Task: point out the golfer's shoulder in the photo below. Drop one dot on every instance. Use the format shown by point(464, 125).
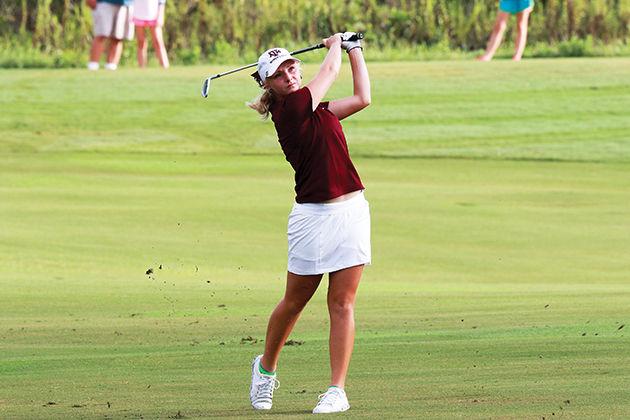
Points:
point(294, 107)
point(300, 97)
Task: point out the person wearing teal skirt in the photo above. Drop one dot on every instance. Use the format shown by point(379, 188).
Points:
point(520, 8)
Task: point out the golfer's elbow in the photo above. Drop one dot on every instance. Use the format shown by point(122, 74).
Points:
point(362, 92)
point(363, 100)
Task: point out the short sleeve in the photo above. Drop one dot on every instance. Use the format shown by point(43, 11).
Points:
point(298, 105)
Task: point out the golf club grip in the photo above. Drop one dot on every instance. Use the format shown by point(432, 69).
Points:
point(357, 36)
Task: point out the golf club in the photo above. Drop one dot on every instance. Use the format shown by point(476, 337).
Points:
point(205, 88)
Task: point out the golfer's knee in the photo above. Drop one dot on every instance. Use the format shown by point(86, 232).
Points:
point(341, 307)
point(293, 306)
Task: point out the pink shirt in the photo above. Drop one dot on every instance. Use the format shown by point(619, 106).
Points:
point(315, 146)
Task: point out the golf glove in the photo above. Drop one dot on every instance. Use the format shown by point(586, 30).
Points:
point(349, 45)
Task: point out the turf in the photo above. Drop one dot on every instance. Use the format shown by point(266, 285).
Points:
point(501, 233)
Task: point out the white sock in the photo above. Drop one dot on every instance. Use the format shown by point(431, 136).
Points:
point(93, 65)
point(111, 66)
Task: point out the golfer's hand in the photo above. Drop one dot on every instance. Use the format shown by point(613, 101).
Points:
point(91, 4)
point(349, 45)
point(332, 41)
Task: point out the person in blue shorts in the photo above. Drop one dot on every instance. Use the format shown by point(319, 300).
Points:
point(520, 8)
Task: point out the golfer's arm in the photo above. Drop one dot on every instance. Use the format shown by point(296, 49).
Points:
point(327, 74)
point(345, 107)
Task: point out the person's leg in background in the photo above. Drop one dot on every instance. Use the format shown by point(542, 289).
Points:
point(98, 44)
point(522, 22)
point(115, 51)
point(142, 45)
point(496, 36)
point(158, 46)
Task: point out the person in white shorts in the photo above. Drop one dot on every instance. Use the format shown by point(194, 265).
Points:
point(113, 21)
point(329, 225)
point(150, 13)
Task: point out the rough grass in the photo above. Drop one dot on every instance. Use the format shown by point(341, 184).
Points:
point(499, 288)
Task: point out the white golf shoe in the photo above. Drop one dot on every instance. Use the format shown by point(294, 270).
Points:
point(261, 390)
point(332, 401)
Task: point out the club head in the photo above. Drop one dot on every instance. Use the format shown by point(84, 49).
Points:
point(205, 88)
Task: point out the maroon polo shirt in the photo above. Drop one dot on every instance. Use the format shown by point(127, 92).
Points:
point(315, 146)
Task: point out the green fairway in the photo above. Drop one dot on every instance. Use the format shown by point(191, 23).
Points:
point(500, 284)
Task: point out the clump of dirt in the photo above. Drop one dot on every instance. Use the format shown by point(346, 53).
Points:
point(249, 339)
point(294, 343)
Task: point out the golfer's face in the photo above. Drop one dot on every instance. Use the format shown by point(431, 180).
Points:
point(286, 79)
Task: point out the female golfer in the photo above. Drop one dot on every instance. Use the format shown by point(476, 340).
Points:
point(520, 8)
point(329, 225)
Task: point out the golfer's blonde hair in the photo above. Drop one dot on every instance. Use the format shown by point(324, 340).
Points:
point(263, 103)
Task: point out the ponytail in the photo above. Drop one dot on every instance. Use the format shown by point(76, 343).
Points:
point(263, 103)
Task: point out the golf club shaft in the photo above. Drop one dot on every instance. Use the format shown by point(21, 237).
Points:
point(359, 35)
point(206, 84)
point(303, 50)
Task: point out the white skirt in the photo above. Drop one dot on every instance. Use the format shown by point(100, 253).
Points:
point(328, 237)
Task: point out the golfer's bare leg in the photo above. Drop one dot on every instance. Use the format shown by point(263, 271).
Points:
point(299, 291)
point(97, 48)
point(522, 20)
point(158, 46)
point(142, 46)
point(496, 36)
point(342, 291)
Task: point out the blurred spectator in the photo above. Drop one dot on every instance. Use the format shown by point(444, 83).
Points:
point(112, 19)
point(150, 13)
point(520, 8)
